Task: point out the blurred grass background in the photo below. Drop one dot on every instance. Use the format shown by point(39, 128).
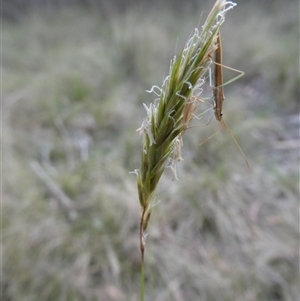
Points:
point(73, 83)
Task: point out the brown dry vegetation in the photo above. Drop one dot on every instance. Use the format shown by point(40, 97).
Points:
point(73, 87)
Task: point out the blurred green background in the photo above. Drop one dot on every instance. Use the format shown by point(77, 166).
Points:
point(74, 76)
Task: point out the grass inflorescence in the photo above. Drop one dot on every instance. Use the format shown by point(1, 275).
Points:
point(168, 117)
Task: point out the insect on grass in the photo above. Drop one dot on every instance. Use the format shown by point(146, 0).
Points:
point(218, 94)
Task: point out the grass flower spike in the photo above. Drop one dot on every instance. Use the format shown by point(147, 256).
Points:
point(168, 117)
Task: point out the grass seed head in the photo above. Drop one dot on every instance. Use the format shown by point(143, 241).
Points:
point(168, 117)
